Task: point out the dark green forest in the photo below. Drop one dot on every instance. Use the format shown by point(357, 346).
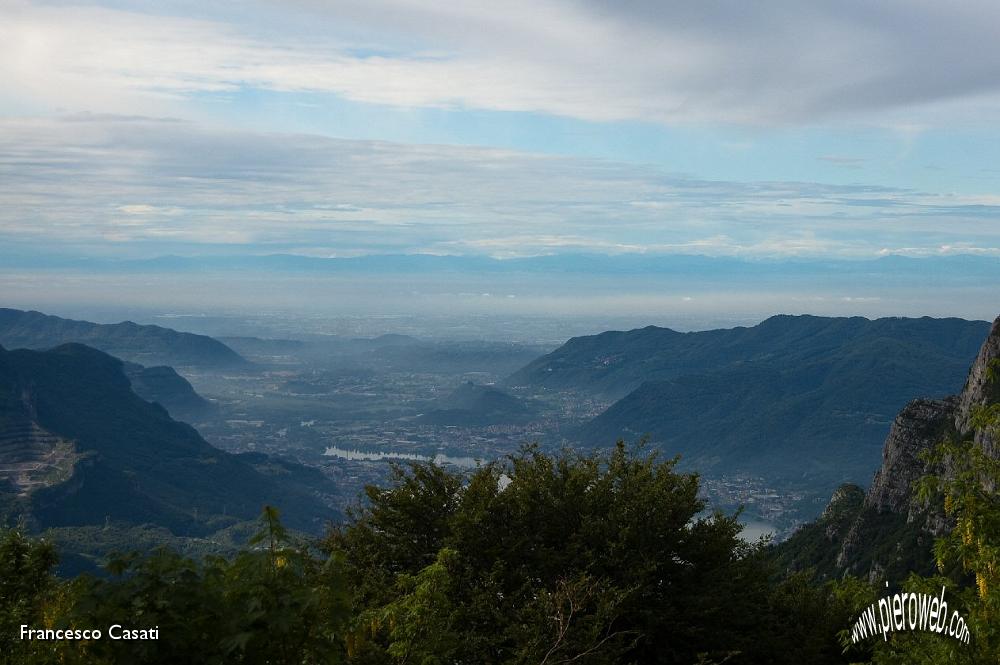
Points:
point(567, 558)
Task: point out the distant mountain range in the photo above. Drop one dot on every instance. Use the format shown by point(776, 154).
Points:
point(795, 396)
point(79, 447)
point(143, 344)
point(939, 267)
point(472, 405)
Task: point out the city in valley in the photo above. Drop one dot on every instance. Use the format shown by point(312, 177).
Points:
point(354, 406)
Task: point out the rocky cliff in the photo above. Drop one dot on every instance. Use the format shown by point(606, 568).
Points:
point(890, 531)
point(918, 427)
point(979, 390)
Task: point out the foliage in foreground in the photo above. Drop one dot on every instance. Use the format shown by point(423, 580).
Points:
point(589, 559)
point(968, 557)
point(967, 489)
point(274, 602)
point(571, 558)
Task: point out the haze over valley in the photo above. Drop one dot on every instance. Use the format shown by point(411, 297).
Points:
point(821, 391)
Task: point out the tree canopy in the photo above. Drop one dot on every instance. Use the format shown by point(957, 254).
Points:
point(598, 558)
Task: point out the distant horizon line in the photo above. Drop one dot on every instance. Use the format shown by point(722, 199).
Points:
point(43, 257)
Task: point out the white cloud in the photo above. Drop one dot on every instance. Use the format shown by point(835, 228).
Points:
point(154, 185)
point(777, 62)
point(144, 209)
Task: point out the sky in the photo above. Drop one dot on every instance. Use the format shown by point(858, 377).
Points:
point(779, 131)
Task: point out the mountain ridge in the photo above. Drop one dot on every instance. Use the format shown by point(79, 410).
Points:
point(147, 345)
point(794, 398)
point(614, 363)
point(124, 459)
point(163, 385)
point(890, 532)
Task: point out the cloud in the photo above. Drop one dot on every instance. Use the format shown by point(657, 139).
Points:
point(843, 162)
point(767, 63)
point(144, 209)
point(151, 187)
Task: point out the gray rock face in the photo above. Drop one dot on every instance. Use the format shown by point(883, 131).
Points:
point(918, 427)
point(845, 502)
point(846, 497)
point(979, 391)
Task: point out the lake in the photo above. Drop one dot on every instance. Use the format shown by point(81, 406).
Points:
point(752, 530)
point(369, 456)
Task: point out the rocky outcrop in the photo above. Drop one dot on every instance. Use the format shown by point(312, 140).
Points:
point(815, 546)
point(980, 390)
point(845, 499)
point(917, 428)
point(891, 519)
point(839, 514)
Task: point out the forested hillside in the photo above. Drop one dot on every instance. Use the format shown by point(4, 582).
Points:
point(80, 447)
point(143, 344)
point(792, 398)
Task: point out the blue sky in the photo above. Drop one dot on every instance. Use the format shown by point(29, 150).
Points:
point(778, 129)
point(956, 159)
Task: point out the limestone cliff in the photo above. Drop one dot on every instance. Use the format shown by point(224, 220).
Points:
point(891, 531)
point(979, 390)
point(918, 427)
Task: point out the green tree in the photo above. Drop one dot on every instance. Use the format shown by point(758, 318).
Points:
point(582, 558)
point(965, 487)
point(29, 594)
point(275, 602)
